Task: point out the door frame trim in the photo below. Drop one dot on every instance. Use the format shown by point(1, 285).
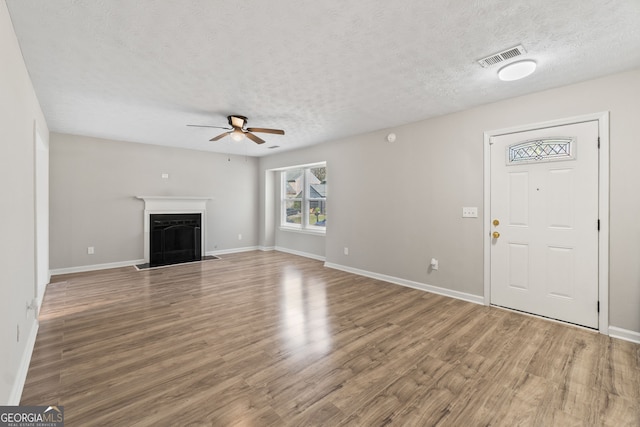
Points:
point(603, 204)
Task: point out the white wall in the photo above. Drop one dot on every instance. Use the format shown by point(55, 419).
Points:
point(19, 111)
point(397, 205)
point(94, 183)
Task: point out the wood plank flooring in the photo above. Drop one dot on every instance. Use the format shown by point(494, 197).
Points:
point(272, 339)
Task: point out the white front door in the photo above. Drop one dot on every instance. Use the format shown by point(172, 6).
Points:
point(544, 222)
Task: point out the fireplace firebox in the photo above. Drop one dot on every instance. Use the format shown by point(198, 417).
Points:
point(174, 238)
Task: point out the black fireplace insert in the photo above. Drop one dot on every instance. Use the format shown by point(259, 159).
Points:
point(174, 238)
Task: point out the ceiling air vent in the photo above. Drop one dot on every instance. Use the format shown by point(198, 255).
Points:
point(502, 56)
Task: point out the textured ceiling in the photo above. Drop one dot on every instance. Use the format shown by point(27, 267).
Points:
point(142, 70)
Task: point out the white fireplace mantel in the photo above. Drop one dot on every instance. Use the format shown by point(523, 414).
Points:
point(173, 204)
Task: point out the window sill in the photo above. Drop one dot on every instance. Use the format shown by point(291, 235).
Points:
point(303, 231)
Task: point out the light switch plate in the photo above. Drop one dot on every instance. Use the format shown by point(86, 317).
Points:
point(470, 212)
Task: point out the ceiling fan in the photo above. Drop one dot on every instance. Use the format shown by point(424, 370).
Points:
point(237, 131)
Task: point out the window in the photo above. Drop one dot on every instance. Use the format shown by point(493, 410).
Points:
point(542, 150)
point(304, 198)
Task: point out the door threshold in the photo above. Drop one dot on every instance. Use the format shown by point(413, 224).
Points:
point(551, 319)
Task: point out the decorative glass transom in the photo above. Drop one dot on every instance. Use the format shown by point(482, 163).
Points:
point(542, 150)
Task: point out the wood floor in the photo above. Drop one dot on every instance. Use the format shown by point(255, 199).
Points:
point(266, 338)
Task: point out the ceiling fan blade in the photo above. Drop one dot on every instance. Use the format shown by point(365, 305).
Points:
point(206, 126)
point(222, 135)
point(263, 130)
point(254, 138)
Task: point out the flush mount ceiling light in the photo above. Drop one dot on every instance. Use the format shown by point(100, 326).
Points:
point(516, 70)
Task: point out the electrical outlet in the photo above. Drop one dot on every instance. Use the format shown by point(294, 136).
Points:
point(346, 250)
point(239, 236)
point(469, 212)
point(90, 250)
point(165, 176)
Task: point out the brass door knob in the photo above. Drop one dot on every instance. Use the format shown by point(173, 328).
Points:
point(495, 234)
point(496, 222)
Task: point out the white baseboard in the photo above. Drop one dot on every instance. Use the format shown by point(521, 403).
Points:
point(23, 369)
point(232, 251)
point(94, 267)
point(267, 248)
point(624, 334)
point(410, 284)
point(299, 253)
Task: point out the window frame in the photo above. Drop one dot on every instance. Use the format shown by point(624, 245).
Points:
point(305, 201)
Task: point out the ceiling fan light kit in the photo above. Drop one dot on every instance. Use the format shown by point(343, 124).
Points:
point(238, 130)
point(237, 135)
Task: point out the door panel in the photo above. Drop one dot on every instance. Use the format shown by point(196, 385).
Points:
point(544, 193)
point(518, 266)
point(559, 278)
point(560, 198)
point(519, 198)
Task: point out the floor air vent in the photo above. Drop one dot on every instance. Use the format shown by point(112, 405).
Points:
point(502, 56)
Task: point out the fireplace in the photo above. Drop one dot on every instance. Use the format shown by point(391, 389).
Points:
point(174, 238)
point(181, 225)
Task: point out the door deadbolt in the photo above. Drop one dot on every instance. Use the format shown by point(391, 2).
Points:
point(496, 222)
